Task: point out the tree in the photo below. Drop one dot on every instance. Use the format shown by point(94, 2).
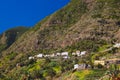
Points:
point(100, 66)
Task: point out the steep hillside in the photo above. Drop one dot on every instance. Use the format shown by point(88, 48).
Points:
point(79, 21)
point(87, 25)
point(10, 36)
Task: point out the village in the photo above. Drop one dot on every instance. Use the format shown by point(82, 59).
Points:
point(80, 54)
point(64, 55)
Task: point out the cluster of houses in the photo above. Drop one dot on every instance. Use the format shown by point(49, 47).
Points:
point(64, 55)
point(78, 53)
point(105, 63)
point(108, 62)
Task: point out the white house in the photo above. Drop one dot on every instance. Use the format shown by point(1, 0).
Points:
point(39, 56)
point(31, 57)
point(64, 53)
point(117, 45)
point(82, 66)
point(83, 53)
point(76, 66)
point(58, 54)
point(73, 53)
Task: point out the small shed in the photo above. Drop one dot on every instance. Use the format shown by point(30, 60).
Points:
point(83, 53)
point(58, 54)
point(96, 62)
point(64, 54)
point(82, 66)
point(73, 54)
point(31, 57)
point(76, 66)
point(39, 56)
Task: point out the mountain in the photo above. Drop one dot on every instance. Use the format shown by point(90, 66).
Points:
point(10, 36)
point(85, 25)
point(85, 20)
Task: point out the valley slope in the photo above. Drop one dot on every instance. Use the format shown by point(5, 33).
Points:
point(84, 25)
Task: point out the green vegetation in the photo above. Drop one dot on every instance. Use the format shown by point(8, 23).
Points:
point(84, 25)
point(2, 47)
point(111, 12)
point(10, 36)
point(89, 74)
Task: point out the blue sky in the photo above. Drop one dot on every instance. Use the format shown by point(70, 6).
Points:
point(26, 12)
